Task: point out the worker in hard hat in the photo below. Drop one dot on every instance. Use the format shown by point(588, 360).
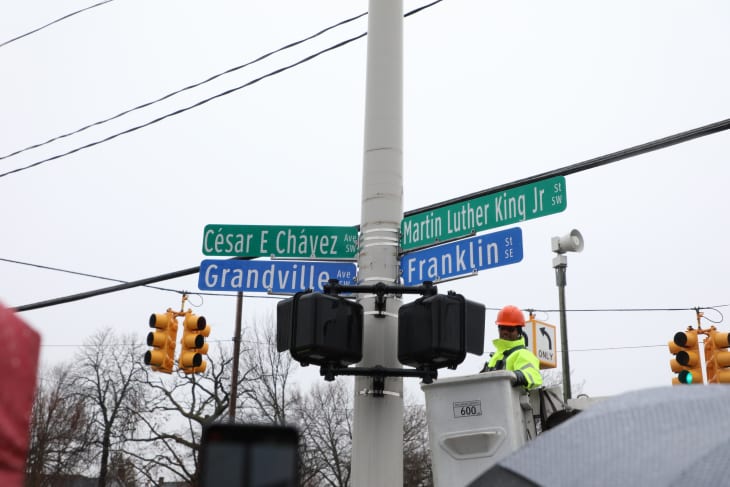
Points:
point(511, 353)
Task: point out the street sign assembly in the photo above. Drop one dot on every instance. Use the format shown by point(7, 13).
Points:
point(482, 213)
point(280, 241)
point(463, 257)
point(280, 276)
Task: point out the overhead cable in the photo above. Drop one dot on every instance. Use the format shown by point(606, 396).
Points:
point(636, 150)
point(190, 87)
point(54, 22)
point(202, 102)
point(182, 110)
point(565, 170)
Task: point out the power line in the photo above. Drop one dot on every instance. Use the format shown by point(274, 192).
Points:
point(614, 348)
point(39, 266)
point(200, 103)
point(257, 342)
point(124, 285)
point(53, 22)
point(636, 150)
point(185, 109)
point(190, 87)
point(566, 170)
point(630, 310)
point(84, 274)
point(178, 291)
point(111, 289)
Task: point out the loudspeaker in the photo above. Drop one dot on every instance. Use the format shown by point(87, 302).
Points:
point(570, 242)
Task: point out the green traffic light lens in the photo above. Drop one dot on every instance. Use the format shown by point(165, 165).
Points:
point(685, 377)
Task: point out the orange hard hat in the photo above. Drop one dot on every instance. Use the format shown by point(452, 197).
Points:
point(510, 316)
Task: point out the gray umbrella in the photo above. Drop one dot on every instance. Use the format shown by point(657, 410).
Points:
point(667, 436)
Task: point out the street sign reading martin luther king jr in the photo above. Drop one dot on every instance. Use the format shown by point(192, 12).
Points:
point(492, 210)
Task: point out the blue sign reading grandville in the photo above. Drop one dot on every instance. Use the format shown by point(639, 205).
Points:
point(280, 276)
point(462, 257)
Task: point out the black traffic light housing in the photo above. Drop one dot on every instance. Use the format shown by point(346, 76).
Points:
point(439, 330)
point(320, 329)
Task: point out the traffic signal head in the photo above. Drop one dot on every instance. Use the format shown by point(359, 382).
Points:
point(717, 357)
point(437, 331)
point(686, 362)
point(320, 329)
point(162, 341)
point(194, 346)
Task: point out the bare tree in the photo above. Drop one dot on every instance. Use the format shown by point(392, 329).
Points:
point(325, 422)
point(108, 377)
point(267, 385)
point(554, 377)
point(181, 405)
point(122, 470)
point(417, 470)
point(178, 409)
point(60, 429)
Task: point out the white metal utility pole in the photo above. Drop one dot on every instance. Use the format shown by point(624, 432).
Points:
point(377, 438)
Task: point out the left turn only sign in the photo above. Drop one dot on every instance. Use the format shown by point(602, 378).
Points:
point(542, 342)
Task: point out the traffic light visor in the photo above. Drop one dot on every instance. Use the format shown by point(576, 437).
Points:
point(154, 357)
point(194, 322)
point(190, 359)
point(193, 341)
point(685, 338)
point(688, 358)
point(722, 340)
point(156, 339)
point(160, 320)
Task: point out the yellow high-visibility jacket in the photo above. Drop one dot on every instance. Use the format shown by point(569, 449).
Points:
point(517, 358)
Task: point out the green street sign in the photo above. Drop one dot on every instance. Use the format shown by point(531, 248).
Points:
point(484, 212)
point(280, 241)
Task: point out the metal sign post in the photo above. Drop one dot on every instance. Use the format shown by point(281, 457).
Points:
point(377, 438)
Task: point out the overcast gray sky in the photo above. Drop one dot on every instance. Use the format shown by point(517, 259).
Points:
point(494, 92)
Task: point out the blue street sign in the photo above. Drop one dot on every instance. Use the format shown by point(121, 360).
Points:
point(276, 276)
point(462, 257)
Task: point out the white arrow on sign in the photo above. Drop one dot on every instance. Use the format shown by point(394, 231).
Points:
point(542, 342)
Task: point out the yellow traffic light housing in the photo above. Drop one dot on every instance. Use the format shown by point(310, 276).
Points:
point(194, 346)
point(686, 362)
point(717, 357)
point(163, 341)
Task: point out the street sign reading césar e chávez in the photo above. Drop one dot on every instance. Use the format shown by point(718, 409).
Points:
point(280, 241)
point(484, 212)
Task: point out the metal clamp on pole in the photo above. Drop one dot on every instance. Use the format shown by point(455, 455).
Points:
point(334, 288)
point(378, 373)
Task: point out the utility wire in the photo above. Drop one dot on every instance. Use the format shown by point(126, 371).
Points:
point(183, 110)
point(202, 102)
point(124, 285)
point(84, 274)
point(78, 273)
point(636, 150)
point(111, 289)
point(255, 342)
point(630, 310)
point(54, 22)
point(566, 170)
point(190, 87)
